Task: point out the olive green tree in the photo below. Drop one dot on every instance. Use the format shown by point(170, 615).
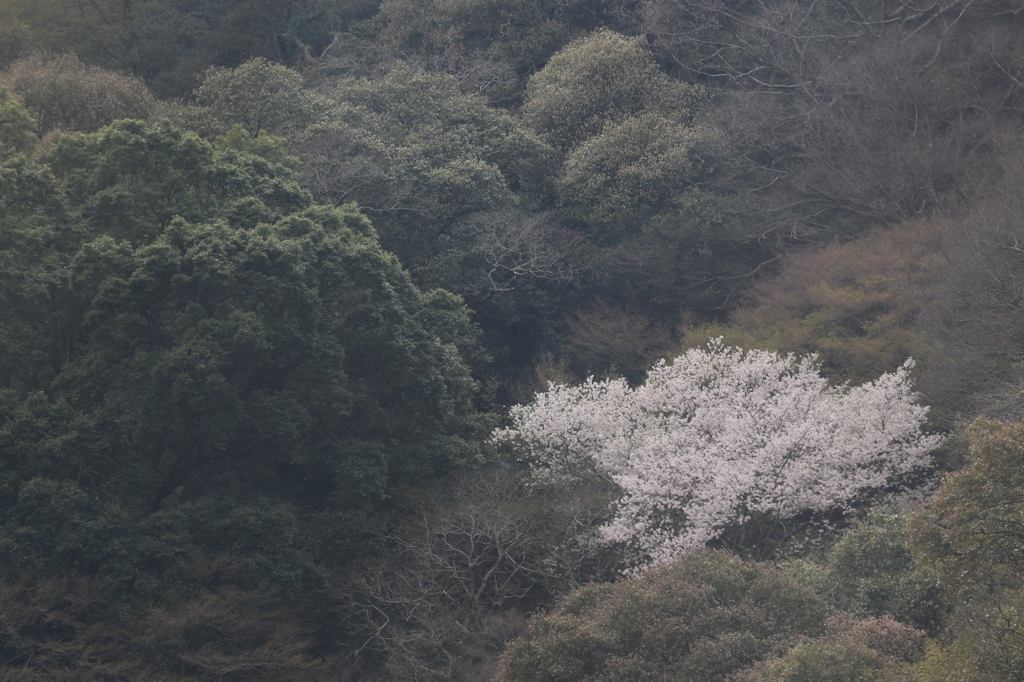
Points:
point(17, 128)
point(702, 617)
point(875, 649)
point(260, 96)
point(600, 80)
point(969, 531)
point(64, 94)
point(632, 171)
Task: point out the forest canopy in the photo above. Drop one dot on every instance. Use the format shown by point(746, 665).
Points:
point(510, 340)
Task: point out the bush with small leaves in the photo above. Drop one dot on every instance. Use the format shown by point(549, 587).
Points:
point(872, 570)
point(17, 129)
point(970, 531)
point(700, 619)
point(618, 180)
point(15, 38)
point(871, 650)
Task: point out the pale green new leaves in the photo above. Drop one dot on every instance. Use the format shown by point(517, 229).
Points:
point(625, 128)
point(631, 171)
point(598, 81)
point(261, 97)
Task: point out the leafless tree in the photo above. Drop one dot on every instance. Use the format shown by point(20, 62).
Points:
point(516, 245)
point(463, 564)
point(608, 336)
point(843, 115)
point(341, 164)
point(975, 319)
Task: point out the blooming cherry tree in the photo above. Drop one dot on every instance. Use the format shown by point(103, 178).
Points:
point(738, 448)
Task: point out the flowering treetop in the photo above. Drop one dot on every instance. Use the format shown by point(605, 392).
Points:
point(726, 446)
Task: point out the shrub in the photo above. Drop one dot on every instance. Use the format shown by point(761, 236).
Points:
point(699, 618)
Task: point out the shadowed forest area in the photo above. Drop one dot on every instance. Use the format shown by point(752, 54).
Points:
point(514, 340)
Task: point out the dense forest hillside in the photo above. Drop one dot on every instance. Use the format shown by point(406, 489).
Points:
point(551, 340)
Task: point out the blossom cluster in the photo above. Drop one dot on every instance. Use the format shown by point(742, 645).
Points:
point(721, 436)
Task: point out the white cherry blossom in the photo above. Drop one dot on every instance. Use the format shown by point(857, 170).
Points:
point(722, 442)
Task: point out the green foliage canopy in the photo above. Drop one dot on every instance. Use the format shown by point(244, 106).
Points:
point(872, 570)
point(422, 156)
point(875, 650)
point(177, 321)
point(618, 180)
point(17, 127)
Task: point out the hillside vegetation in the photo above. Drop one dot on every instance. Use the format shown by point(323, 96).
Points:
point(514, 340)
